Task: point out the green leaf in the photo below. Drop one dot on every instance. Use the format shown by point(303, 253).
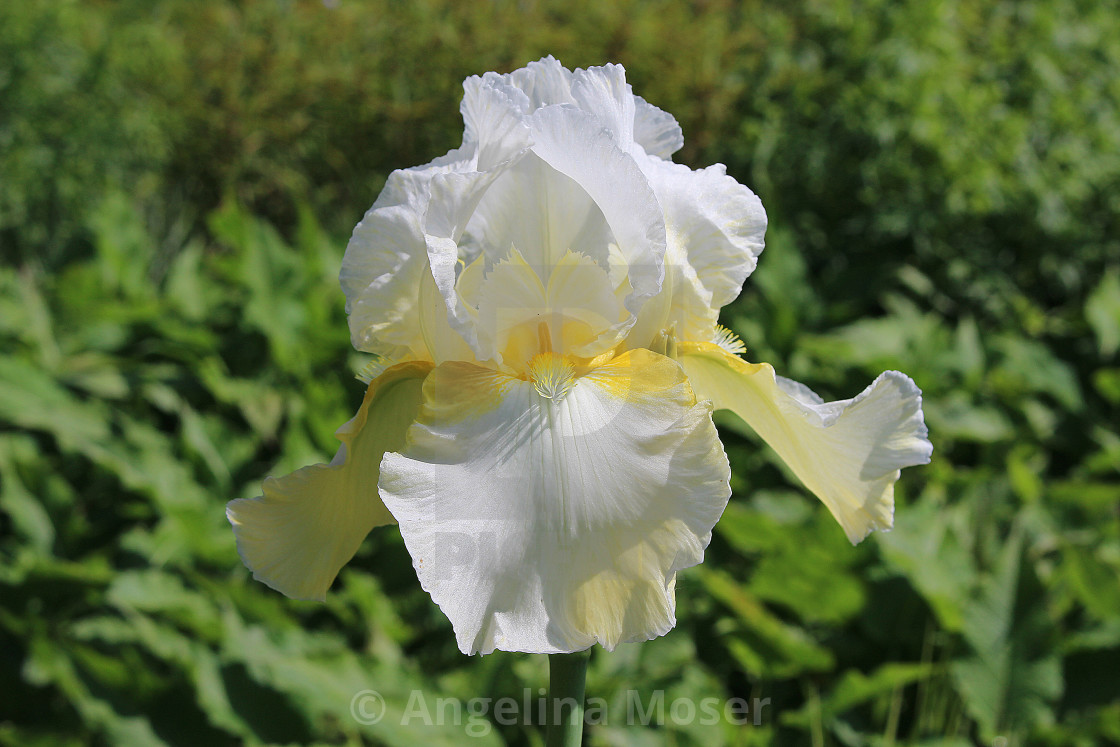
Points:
point(1093, 580)
point(854, 688)
point(156, 591)
point(124, 247)
point(1013, 675)
point(1102, 310)
point(322, 679)
point(959, 416)
point(926, 548)
point(1029, 366)
point(49, 663)
point(29, 519)
point(810, 573)
point(762, 644)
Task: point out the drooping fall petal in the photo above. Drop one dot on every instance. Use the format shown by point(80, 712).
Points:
point(848, 452)
point(308, 524)
point(549, 514)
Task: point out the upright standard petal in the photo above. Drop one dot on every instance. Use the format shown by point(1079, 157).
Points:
point(386, 260)
point(655, 130)
point(545, 82)
point(576, 144)
point(308, 524)
point(548, 514)
point(715, 229)
point(848, 453)
point(540, 212)
point(493, 120)
point(604, 92)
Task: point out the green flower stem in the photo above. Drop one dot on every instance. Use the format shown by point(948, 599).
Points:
point(567, 674)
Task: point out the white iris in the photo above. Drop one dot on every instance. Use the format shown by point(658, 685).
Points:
point(549, 293)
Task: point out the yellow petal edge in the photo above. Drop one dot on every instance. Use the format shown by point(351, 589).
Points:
point(848, 453)
point(307, 525)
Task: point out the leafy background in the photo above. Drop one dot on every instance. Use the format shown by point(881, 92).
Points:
point(177, 183)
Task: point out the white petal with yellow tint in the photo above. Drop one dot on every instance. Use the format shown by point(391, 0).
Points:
point(848, 452)
point(443, 341)
point(454, 199)
point(518, 316)
point(548, 516)
point(308, 524)
point(582, 291)
point(510, 298)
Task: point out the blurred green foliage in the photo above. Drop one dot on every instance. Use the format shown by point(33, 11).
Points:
point(177, 180)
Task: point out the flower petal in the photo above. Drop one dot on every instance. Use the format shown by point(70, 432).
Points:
point(547, 525)
point(848, 453)
point(574, 143)
point(493, 119)
point(545, 82)
point(604, 92)
point(444, 341)
point(308, 524)
point(577, 313)
point(541, 213)
point(385, 262)
point(576, 190)
point(715, 229)
point(581, 291)
point(656, 130)
point(453, 202)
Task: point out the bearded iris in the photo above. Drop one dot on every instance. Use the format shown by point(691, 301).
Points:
point(543, 302)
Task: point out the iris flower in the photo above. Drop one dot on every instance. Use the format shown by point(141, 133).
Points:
point(543, 301)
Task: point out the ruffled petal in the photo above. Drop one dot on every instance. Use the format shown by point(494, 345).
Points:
point(548, 518)
point(308, 524)
point(545, 82)
point(386, 260)
point(582, 295)
point(444, 342)
point(604, 92)
point(848, 452)
point(656, 130)
point(493, 119)
point(715, 228)
point(454, 200)
point(576, 190)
